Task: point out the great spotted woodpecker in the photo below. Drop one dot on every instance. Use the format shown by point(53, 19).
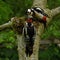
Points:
point(29, 35)
point(39, 14)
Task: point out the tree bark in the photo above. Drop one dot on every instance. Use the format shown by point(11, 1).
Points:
point(21, 47)
point(40, 3)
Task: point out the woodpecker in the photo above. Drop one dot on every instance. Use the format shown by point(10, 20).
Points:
point(29, 35)
point(39, 14)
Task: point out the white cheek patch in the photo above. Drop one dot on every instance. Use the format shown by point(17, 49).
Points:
point(29, 10)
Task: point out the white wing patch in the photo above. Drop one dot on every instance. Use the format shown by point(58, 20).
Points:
point(38, 9)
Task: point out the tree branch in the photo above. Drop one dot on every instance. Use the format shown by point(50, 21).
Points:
point(40, 3)
point(55, 41)
point(6, 25)
point(55, 11)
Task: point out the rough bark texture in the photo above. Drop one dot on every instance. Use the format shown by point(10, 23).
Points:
point(21, 47)
point(40, 30)
point(40, 3)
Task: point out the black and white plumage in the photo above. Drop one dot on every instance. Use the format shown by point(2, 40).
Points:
point(39, 10)
point(29, 35)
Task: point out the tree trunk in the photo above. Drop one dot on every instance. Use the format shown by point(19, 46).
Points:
point(21, 47)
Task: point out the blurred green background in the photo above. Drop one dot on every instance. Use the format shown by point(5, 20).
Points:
point(8, 42)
